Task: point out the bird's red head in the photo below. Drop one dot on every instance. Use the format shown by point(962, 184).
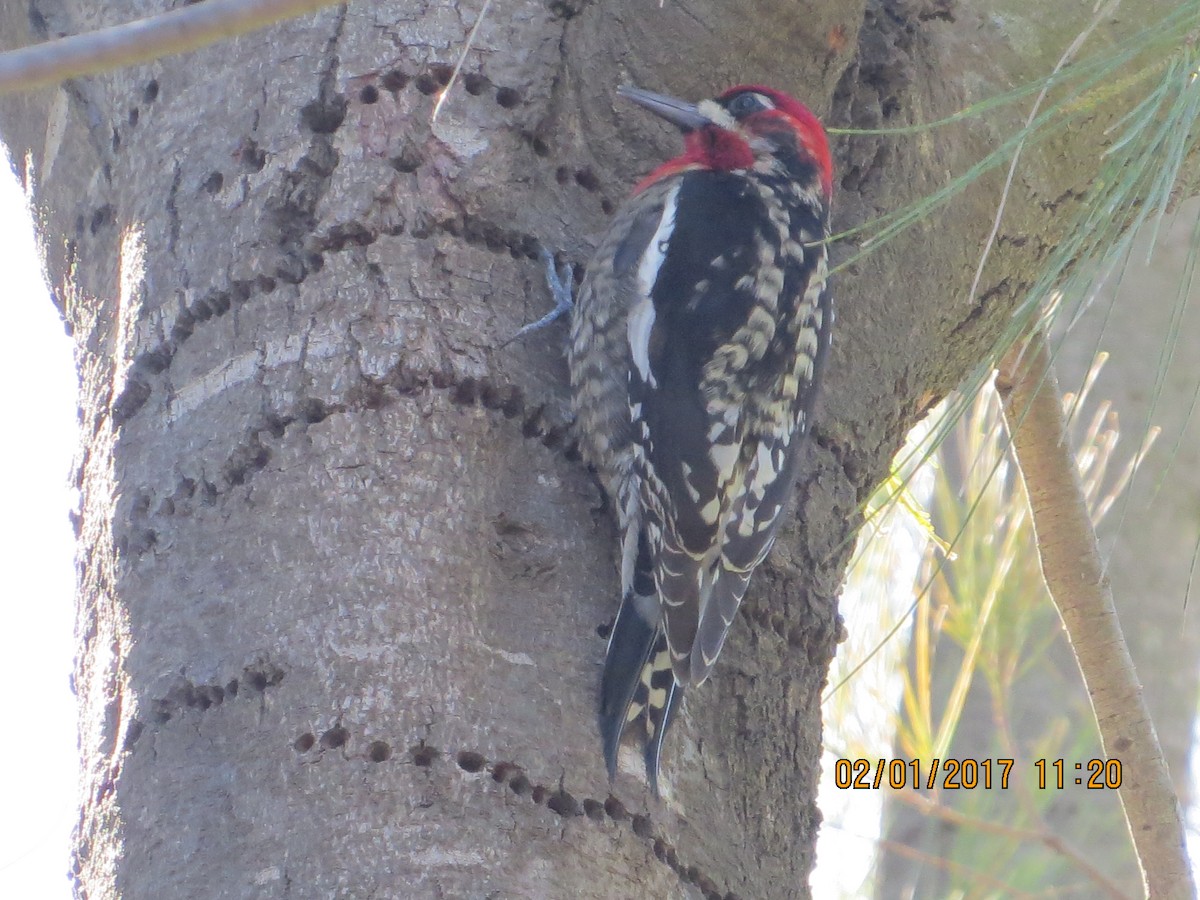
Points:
point(745, 126)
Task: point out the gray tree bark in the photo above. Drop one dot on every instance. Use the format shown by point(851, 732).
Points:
point(340, 570)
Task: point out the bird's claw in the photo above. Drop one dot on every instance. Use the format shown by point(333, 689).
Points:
point(560, 290)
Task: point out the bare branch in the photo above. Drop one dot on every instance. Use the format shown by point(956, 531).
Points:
point(1074, 574)
point(177, 31)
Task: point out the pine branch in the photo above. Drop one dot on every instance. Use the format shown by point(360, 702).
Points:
point(177, 31)
point(1075, 576)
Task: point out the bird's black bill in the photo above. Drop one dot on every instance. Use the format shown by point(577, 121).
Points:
point(677, 112)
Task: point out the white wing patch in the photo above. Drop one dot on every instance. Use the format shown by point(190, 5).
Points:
point(641, 317)
point(724, 457)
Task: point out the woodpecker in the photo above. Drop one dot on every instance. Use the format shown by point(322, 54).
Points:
point(697, 346)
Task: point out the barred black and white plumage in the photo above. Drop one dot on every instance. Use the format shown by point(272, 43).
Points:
point(697, 346)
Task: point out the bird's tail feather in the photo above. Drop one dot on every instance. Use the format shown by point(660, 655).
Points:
point(639, 684)
point(629, 652)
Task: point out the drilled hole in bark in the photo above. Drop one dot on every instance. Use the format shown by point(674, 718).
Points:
point(642, 827)
point(508, 97)
point(136, 727)
point(251, 157)
point(324, 116)
point(441, 73)
point(465, 391)
point(489, 395)
point(134, 115)
point(422, 755)
point(563, 9)
point(335, 737)
point(103, 216)
point(379, 751)
point(519, 785)
point(587, 179)
point(150, 91)
point(214, 182)
point(407, 161)
point(474, 84)
point(470, 761)
point(369, 95)
point(672, 859)
point(660, 849)
point(394, 81)
point(314, 410)
point(305, 742)
point(513, 404)
point(426, 84)
point(502, 770)
point(564, 804)
point(593, 809)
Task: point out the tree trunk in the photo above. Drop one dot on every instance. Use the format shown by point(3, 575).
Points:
point(341, 572)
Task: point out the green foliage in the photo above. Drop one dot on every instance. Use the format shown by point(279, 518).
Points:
point(984, 616)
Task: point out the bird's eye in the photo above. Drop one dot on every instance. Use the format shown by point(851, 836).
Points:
point(745, 104)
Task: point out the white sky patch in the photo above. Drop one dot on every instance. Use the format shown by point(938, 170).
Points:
point(1192, 813)
point(859, 718)
point(37, 558)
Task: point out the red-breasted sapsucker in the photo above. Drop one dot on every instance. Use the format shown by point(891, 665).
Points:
point(697, 345)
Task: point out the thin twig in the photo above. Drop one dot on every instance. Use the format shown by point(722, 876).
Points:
point(462, 58)
point(929, 806)
point(143, 40)
point(969, 874)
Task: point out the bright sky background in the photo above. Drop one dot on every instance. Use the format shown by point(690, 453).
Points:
point(38, 756)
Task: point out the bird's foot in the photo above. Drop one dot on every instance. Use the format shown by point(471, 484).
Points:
point(560, 290)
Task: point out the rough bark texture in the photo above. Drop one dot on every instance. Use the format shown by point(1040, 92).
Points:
point(341, 573)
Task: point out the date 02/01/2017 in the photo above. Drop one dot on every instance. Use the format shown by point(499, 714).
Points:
point(969, 774)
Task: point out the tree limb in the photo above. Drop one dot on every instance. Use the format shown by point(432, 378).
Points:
point(177, 31)
point(1075, 576)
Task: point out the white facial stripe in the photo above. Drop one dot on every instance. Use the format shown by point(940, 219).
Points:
point(716, 114)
